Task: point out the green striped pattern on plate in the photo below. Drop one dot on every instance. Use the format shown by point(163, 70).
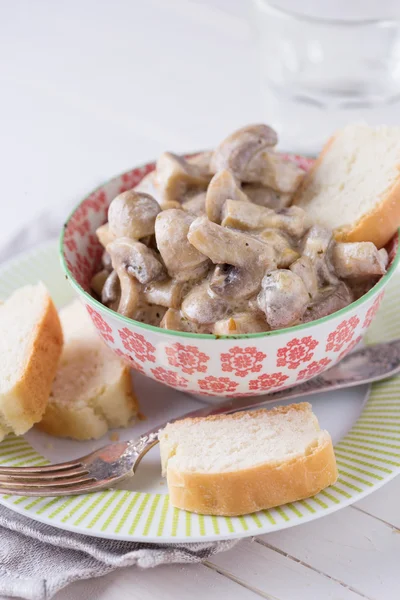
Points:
point(368, 456)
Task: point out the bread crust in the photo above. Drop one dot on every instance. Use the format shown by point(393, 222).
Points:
point(378, 225)
point(260, 487)
point(25, 403)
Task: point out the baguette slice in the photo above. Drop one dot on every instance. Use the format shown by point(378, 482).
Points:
point(248, 461)
point(30, 347)
point(354, 186)
point(92, 390)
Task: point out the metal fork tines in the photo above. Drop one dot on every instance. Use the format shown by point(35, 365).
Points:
point(98, 470)
point(61, 478)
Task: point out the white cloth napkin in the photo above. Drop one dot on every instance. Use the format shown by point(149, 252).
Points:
point(37, 560)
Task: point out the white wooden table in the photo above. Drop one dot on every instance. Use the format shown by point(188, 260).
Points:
point(90, 88)
point(349, 555)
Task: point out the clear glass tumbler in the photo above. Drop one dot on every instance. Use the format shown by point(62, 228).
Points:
point(319, 74)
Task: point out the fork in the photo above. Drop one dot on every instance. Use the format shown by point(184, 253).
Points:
point(111, 464)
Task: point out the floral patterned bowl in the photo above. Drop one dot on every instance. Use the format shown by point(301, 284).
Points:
point(208, 365)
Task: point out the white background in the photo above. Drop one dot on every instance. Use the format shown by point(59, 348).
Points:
point(89, 88)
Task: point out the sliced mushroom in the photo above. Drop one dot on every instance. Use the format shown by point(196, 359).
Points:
point(149, 186)
point(283, 298)
point(245, 216)
point(147, 240)
point(222, 186)
point(318, 245)
point(245, 322)
point(251, 217)
point(332, 299)
point(165, 293)
point(130, 287)
point(98, 280)
point(202, 161)
point(238, 283)
point(383, 253)
point(316, 242)
point(202, 307)
point(194, 274)
point(183, 261)
point(132, 214)
point(196, 205)
point(253, 307)
point(152, 314)
point(266, 196)
point(111, 291)
point(238, 149)
point(174, 320)
point(359, 287)
point(285, 255)
point(304, 268)
point(275, 171)
point(106, 261)
point(292, 221)
point(136, 259)
point(130, 294)
point(176, 176)
point(104, 235)
point(171, 204)
point(358, 260)
point(223, 245)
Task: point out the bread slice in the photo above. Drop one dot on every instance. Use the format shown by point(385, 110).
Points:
point(30, 347)
point(354, 186)
point(248, 461)
point(92, 390)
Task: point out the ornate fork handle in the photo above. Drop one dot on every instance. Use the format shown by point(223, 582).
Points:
point(142, 445)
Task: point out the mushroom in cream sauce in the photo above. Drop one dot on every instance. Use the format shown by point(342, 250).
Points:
point(212, 244)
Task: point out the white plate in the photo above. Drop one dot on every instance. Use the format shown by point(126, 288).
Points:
point(365, 429)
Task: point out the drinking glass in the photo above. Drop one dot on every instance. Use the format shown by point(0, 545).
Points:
point(319, 73)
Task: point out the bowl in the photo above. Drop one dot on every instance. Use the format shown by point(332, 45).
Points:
point(209, 365)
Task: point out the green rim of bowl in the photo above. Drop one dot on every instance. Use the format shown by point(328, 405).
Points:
point(264, 334)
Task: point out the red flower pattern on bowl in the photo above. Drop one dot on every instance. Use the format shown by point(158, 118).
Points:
point(267, 381)
point(136, 343)
point(169, 377)
point(98, 202)
point(296, 352)
point(71, 244)
point(188, 358)
point(342, 335)
point(313, 369)
point(242, 361)
point(218, 385)
point(131, 178)
point(350, 347)
point(130, 360)
point(83, 269)
point(202, 364)
point(371, 312)
point(95, 251)
point(101, 325)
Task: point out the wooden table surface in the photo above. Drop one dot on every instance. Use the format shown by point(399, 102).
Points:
point(349, 555)
point(90, 88)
